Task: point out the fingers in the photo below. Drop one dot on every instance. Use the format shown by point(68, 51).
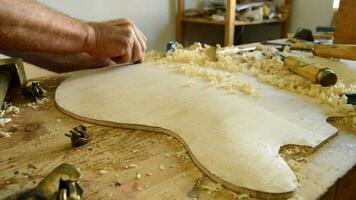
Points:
point(134, 53)
point(126, 22)
point(120, 40)
point(142, 39)
point(137, 53)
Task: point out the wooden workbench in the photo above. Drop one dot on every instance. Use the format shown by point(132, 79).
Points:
point(38, 145)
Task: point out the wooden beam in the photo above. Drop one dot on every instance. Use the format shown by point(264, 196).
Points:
point(230, 23)
point(180, 22)
point(286, 23)
point(345, 23)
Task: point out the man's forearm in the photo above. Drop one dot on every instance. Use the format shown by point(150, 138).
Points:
point(60, 62)
point(26, 25)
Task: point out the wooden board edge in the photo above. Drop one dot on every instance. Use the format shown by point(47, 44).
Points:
point(253, 193)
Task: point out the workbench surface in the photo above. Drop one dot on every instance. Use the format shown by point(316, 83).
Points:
point(38, 145)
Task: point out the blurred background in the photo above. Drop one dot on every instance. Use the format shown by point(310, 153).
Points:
point(157, 18)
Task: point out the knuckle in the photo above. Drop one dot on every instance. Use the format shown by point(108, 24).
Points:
point(130, 32)
point(127, 20)
point(127, 46)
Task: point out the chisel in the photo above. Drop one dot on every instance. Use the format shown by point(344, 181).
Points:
point(339, 51)
point(311, 71)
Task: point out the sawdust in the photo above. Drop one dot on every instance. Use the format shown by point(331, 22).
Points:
point(4, 121)
point(190, 61)
point(295, 156)
point(349, 121)
point(38, 103)
point(167, 155)
point(131, 166)
point(138, 176)
point(5, 134)
point(214, 189)
point(262, 64)
point(190, 83)
point(102, 171)
point(7, 111)
point(162, 167)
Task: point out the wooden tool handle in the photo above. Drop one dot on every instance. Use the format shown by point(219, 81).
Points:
point(312, 71)
point(336, 51)
point(302, 68)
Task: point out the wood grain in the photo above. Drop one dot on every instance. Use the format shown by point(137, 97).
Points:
point(247, 131)
point(230, 18)
point(112, 149)
point(180, 22)
point(336, 51)
point(345, 23)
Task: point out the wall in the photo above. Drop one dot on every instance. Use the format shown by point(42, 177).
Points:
point(156, 18)
point(311, 13)
point(305, 14)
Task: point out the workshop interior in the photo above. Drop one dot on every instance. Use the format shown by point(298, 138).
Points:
point(178, 99)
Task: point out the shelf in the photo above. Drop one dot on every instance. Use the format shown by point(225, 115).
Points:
point(229, 23)
point(203, 20)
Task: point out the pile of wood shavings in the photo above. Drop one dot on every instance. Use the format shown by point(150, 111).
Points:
point(38, 103)
point(217, 190)
point(4, 118)
point(195, 61)
point(296, 157)
point(346, 121)
point(9, 109)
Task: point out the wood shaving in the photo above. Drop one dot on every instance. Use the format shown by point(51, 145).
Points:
point(167, 155)
point(5, 134)
point(212, 187)
point(162, 167)
point(190, 83)
point(35, 105)
point(131, 166)
point(149, 174)
point(138, 176)
point(12, 110)
point(349, 121)
point(4, 121)
point(181, 153)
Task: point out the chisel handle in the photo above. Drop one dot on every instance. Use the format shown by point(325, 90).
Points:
point(339, 51)
point(311, 71)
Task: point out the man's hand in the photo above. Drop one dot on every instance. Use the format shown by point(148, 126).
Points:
point(29, 28)
point(119, 40)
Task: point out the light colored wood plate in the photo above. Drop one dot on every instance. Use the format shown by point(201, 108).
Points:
point(233, 138)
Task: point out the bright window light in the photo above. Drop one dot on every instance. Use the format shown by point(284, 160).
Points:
point(336, 4)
